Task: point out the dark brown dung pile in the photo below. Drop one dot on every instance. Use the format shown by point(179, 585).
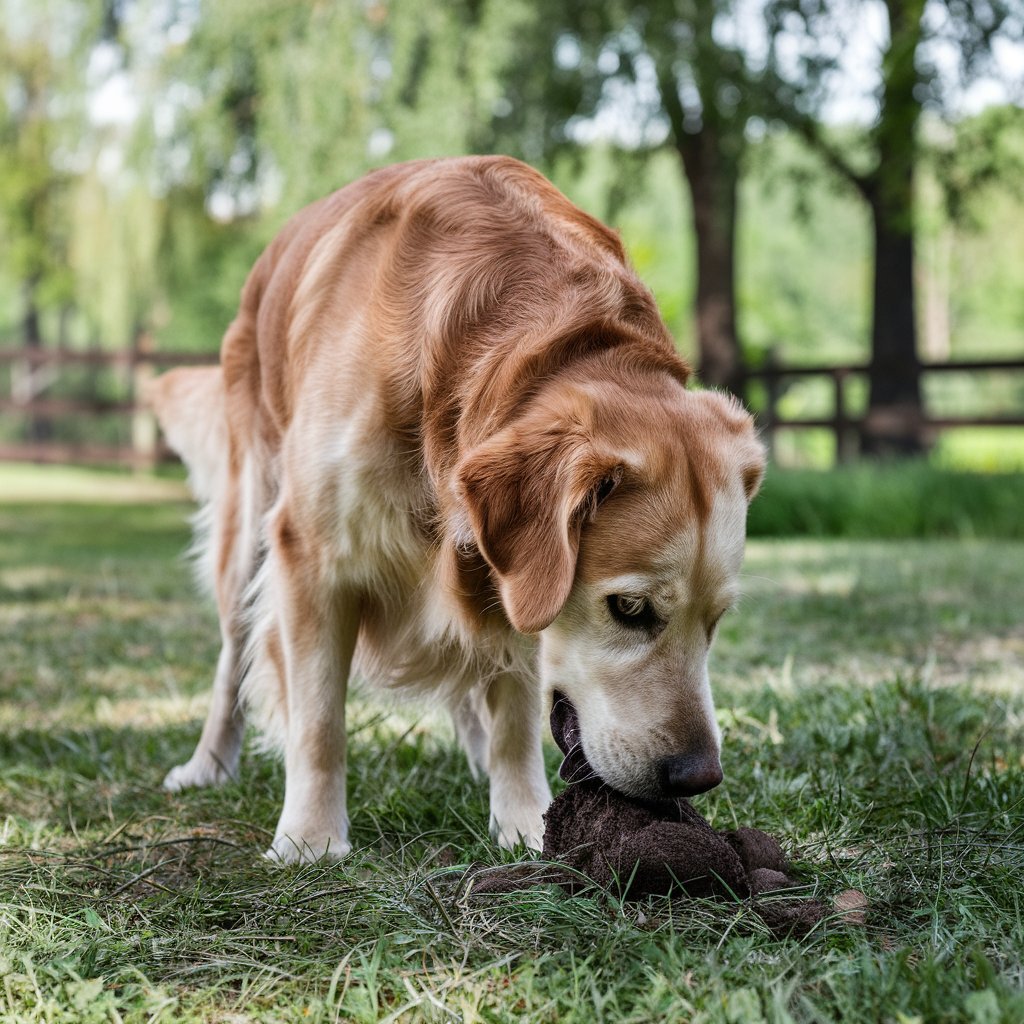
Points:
point(650, 848)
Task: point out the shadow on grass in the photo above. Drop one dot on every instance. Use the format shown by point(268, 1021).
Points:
point(77, 785)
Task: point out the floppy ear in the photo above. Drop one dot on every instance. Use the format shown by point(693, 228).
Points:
point(527, 495)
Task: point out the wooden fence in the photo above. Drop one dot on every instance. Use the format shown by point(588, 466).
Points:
point(844, 427)
point(35, 371)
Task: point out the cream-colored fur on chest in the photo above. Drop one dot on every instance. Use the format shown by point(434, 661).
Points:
point(374, 504)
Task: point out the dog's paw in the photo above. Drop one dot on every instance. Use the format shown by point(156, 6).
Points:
point(287, 849)
point(517, 810)
point(201, 770)
point(516, 826)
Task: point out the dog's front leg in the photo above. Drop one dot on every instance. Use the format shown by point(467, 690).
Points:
point(519, 787)
point(318, 633)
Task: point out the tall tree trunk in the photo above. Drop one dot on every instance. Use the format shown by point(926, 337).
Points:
point(31, 333)
point(895, 413)
point(713, 176)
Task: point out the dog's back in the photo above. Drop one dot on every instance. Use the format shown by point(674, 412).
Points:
point(437, 261)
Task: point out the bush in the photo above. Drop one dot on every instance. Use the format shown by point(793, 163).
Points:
point(889, 500)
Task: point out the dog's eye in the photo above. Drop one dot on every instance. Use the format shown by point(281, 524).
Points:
point(635, 612)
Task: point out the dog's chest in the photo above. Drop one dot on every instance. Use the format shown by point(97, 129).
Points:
point(412, 635)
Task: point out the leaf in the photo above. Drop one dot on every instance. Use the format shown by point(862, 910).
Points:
point(94, 921)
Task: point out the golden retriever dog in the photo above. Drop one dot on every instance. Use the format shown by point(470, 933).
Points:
point(450, 448)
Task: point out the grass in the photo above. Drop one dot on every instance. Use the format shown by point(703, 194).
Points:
point(913, 499)
point(872, 701)
point(21, 482)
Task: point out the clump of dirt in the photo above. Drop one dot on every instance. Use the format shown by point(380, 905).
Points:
point(638, 848)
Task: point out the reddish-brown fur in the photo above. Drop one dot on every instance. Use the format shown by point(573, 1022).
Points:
point(435, 377)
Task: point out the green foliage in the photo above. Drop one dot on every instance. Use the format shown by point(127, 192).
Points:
point(40, 119)
point(248, 110)
point(986, 150)
point(204, 263)
point(804, 259)
point(914, 500)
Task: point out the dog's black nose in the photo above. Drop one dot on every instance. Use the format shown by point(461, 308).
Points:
point(690, 774)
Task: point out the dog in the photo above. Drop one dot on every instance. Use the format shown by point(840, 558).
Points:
point(450, 447)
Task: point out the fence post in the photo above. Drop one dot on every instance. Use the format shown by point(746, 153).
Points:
point(772, 389)
point(840, 423)
point(144, 432)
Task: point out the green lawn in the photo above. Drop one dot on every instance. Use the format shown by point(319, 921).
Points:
point(872, 697)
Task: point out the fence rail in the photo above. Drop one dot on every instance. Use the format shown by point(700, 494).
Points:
point(34, 371)
point(102, 357)
point(846, 427)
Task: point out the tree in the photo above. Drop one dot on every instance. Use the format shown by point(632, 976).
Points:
point(38, 120)
point(670, 72)
point(882, 168)
point(706, 92)
point(283, 102)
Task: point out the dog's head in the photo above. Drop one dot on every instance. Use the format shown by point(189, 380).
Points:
point(614, 523)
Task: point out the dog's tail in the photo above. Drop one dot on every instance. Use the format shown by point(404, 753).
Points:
point(190, 406)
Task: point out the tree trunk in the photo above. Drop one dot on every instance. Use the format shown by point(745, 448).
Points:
point(893, 425)
point(713, 177)
point(894, 421)
point(40, 428)
point(31, 333)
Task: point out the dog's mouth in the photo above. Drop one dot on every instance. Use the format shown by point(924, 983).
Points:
point(565, 728)
point(575, 768)
point(565, 722)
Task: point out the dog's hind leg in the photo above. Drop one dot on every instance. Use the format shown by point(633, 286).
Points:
point(519, 787)
point(235, 545)
point(191, 405)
